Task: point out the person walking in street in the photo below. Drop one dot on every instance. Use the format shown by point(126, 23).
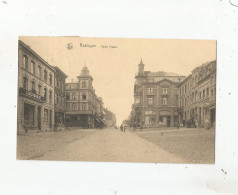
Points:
point(121, 127)
point(134, 127)
point(124, 128)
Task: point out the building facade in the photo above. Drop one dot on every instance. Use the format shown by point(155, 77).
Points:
point(59, 103)
point(197, 96)
point(155, 98)
point(83, 107)
point(35, 91)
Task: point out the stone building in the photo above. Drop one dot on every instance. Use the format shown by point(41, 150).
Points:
point(59, 102)
point(110, 118)
point(35, 91)
point(83, 107)
point(197, 96)
point(155, 98)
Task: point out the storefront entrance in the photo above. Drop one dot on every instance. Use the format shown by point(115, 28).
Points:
point(29, 116)
point(213, 116)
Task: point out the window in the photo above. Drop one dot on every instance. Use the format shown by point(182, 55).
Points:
point(150, 91)
point(207, 92)
point(83, 106)
point(39, 72)
point(33, 88)
point(137, 100)
point(45, 75)
point(203, 93)
point(50, 96)
point(73, 96)
point(165, 101)
point(46, 115)
point(67, 96)
point(84, 84)
point(33, 68)
point(45, 93)
point(67, 106)
point(211, 92)
point(25, 83)
point(151, 80)
point(25, 62)
point(61, 101)
point(39, 89)
point(73, 106)
point(84, 96)
point(50, 79)
point(57, 82)
point(150, 101)
point(165, 90)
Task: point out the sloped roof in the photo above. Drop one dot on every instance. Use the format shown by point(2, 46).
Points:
point(162, 73)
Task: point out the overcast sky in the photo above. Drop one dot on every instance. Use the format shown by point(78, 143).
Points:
point(114, 69)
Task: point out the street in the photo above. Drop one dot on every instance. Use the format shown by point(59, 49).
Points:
point(112, 145)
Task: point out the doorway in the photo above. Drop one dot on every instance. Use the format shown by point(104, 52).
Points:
point(39, 118)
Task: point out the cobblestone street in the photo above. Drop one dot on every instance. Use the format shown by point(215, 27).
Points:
point(150, 145)
point(194, 145)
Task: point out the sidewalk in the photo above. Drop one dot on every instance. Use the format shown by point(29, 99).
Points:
point(111, 145)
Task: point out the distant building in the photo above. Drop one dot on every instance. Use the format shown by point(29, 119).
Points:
point(83, 107)
point(155, 98)
point(59, 101)
point(35, 91)
point(110, 118)
point(197, 96)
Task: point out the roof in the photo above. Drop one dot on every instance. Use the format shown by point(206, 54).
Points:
point(35, 54)
point(162, 73)
point(60, 71)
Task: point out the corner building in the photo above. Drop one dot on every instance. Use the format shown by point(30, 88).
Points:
point(35, 91)
point(155, 98)
point(83, 107)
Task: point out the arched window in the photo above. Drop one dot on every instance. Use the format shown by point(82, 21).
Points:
point(73, 96)
point(84, 84)
point(25, 83)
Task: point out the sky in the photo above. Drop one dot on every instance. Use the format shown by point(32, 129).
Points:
point(113, 62)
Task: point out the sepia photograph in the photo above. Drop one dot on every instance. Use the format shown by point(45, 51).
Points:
point(116, 99)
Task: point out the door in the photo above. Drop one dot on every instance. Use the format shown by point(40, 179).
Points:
point(39, 118)
point(50, 118)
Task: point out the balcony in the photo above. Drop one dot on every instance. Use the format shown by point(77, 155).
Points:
point(31, 95)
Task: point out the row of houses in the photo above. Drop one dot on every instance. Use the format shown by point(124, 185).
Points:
point(46, 102)
point(168, 99)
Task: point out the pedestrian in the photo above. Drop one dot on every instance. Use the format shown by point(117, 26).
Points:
point(124, 128)
point(121, 127)
point(134, 127)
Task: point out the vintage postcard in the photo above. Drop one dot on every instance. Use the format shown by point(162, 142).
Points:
point(116, 100)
